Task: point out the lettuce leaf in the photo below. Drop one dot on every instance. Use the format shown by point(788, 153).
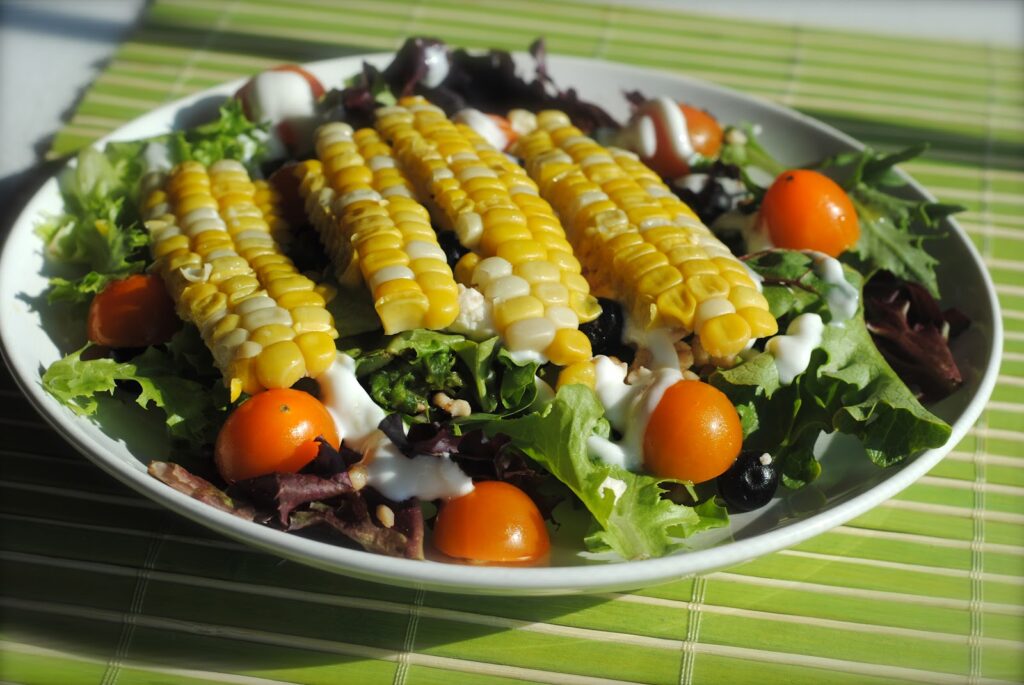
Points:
point(192, 409)
point(847, 387)
point(231, 136)
point(632, 517)
point(404, 371)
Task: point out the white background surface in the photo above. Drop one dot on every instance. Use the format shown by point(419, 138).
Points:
point(51, 50)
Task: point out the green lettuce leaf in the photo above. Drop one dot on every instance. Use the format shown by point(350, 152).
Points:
point(632, 518)
point(193, 410)
point(404, 371)
point(231, 136)
point(847, 387)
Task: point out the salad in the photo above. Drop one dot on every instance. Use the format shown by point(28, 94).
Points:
point(442, 309)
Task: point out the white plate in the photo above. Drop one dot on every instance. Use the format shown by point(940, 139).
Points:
point(850, 485)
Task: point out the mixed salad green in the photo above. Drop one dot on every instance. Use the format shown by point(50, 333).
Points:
point(518, 430)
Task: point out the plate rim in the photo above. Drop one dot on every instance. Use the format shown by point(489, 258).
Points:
point(480, 579)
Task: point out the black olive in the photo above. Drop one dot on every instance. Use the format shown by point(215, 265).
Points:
point(750, 483)
point(453, 249)
point(605, 332)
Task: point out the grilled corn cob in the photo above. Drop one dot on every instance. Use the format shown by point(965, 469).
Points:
point(639, 242)
point(265, 323)
point(363, 208)
point(521, 260)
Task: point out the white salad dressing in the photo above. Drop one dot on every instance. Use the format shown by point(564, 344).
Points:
point(476, 316)
point(285, 99)
point(641, 133)
point(435, 59)
point(156, 156)
point(842, 297)
point(485, 127)
point(394, 475)
point(792, 351)
point(628, 409)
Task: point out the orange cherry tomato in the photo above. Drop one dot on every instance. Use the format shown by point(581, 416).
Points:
point(133, 312)
point(806, 210)
point(272, 432)
point(693, 434)
point(705, 135)
point(496, 522)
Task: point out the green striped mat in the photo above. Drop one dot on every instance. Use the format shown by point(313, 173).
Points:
point(927, 588)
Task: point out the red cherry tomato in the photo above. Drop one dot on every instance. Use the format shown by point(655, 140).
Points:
point(133, 312)
point(705, 137)
point(272, 432)
point(693, 434)
point(496, 522)
point(806, 210)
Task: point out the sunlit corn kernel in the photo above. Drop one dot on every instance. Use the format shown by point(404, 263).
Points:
point(585, 305)
point(742, 297)
point(578, 373)
point(762, 323)
point(519, 251)
point(530, 334)
point(709, 309)
point(725, 335)
point(516, 309)
point(272, 333)
point(310, 319)
point(495, 235)
point(487, 270)
point(444, 308)
point(387, 240)
point(280, 365)
point(192, 202)
point(243, 378)
point(706, 286)
point(465, 267)
point(676, 307)
point(168, 245)
point(318, 351)
point(375, 261)
point(396, 286)
point(469, 228)
point(562, 316)
point(738, 279)
point(402, 310)
point(658, 280)
point(538, 272)
point(568, 346)
point(430, 265)
point(640, 264)
point(575, 282)
point(506, 288)
point(693, 267)
point(388, 273)
point(289, 283)
point(551, 294)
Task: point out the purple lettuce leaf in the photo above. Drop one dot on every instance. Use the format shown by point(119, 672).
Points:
point(179, 478)
point(282, 493)
point(913, 333)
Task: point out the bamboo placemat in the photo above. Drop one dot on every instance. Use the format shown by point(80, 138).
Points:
point(97, 585)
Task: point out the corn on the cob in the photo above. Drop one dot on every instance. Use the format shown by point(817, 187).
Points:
point(363, 207)
point(521, 260)
point(640, 243)
point(265, 323)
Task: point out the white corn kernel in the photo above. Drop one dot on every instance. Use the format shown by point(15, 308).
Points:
point(265, 317)
point(530, 334)
point(421, 249)
point(562, 316)
point(253, 304)
point(505, 288)
point(490, 269)
point(389, 273)
point(469, 227)
point(709, 309)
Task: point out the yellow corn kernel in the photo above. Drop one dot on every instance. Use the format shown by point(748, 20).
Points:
point(374, 262)
point(272, 333)
point(309, 319)
point(742, 297)
point(280, 365)
point(578, 373)
point(585, 305)
point(676, 307)
point(444, 308)
point(243, 378)
point(762, 323)
point(694, 267)
point(707, 286)
point(538, 272)
point(402, 310)
point(515, 309)
point(318, 351)
point(496, 235)
point(658, 280)
point(551, 294)
point(288, 283)
point(725, 335)
point(569, 346)
point(519, 251)
point(738, 279)
point(465, 267)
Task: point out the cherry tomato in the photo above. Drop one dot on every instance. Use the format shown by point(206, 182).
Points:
point(806, 210)
point(274, 431)
point(133, 312)
point(244, 93)
point(496, 522)
point(705, 137)
point(693, 434)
